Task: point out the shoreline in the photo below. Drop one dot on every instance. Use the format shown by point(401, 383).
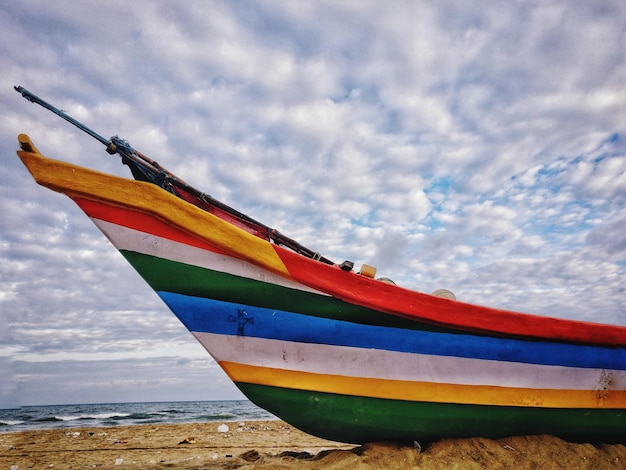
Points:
point(219, 444)
point(275, 444)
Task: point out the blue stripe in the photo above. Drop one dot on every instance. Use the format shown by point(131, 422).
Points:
point(211, 316)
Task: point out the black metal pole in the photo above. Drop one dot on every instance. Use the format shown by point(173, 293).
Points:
point(123, 148)
point(35, 99)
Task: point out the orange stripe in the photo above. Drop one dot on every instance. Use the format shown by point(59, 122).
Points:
point(425, 391)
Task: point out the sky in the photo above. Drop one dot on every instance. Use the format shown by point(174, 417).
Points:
point(474, 146)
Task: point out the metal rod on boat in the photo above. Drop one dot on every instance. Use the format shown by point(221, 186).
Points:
point(114, 144)
point(35, 99)
point(123, 148)
point(117, 145)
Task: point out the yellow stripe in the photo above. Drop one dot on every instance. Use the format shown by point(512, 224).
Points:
point(425, 391)
point(76, 181)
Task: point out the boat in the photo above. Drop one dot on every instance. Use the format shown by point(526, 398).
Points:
point(331, 349)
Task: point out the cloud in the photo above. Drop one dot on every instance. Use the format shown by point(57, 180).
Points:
point(75, 381)
point(478, 148)
point(610, 238)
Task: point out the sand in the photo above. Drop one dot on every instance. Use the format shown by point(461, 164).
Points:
point(274, 444)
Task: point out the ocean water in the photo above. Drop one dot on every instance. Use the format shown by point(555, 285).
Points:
point(126, 414)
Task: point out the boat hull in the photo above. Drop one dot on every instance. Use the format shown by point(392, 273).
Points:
point(345, 357)
point(357, 419)
point(420, 385)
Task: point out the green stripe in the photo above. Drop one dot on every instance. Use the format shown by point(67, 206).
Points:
point(181, 278)
point(361, 419)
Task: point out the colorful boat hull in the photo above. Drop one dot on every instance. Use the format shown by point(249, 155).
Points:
point(346, 357)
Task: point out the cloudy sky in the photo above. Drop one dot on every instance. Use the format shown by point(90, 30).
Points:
point(476, 148)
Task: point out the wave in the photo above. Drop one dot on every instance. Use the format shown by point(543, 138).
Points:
point(46, 419)
point(85, 417)
point(136, 416)
point(10, 423)
point(124, 414)
point(217, 416)
point(174, 412)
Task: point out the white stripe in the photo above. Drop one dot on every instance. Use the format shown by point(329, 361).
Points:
point(124, 238)
point(392, 365)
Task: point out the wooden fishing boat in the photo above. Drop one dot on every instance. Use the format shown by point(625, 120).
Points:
point(336, 352)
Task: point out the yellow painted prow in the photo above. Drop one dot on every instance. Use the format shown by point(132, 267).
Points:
point(79, 182)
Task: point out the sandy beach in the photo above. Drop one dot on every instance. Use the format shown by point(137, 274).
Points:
point(275, 444)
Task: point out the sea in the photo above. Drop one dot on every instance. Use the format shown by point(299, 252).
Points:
point(127, 414)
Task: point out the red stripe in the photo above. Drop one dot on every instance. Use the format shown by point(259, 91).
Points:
point(360, 290)
point(380, 296)
point(140, 221)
